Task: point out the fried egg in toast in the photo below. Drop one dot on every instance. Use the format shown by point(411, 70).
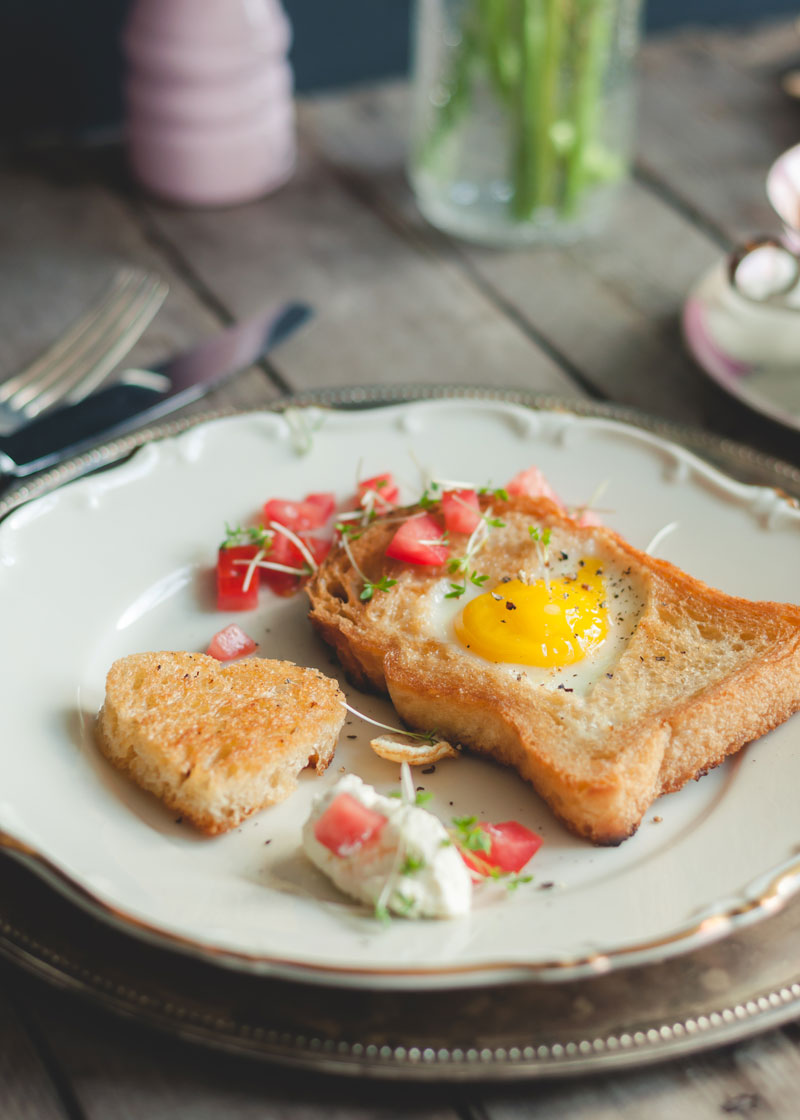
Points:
point(604, 676)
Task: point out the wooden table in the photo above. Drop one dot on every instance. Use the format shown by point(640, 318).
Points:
point(397, 303)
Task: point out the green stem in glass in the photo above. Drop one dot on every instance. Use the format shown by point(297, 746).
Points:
point(535, 158)
point(495, 20)
point(548, 112)
point(545, 62)
point(592, 37)
point(530, 33)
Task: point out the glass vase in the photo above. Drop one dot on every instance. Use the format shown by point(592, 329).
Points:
point(522, 115)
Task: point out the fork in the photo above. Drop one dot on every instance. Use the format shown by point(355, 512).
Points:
point(89, 350)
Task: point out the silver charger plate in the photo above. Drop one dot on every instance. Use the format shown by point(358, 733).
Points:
point(742, 984)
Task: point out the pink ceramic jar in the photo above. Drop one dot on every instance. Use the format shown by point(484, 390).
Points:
point(210, 119)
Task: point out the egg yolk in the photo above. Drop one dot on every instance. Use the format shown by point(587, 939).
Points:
point(544, 624)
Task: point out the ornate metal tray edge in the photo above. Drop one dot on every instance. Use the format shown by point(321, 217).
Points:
point(746, 463)
point(391, 1045)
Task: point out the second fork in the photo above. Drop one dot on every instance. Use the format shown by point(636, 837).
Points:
point(90, 349)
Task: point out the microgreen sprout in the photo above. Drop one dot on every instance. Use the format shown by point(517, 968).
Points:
point(542, 539)
point(270, 565)
point(237, 535)
point(509, 879)
point(263, 537)
point(251, 569)
point(302, 423)
point(369, 587)
point(372, 501)
point(348, 531)
point(469, 835)
point(373, 504)
point(499, 492)
point(540, 535)
point(300, 545)
point(451, 484)
point(460, 565)
point(411, 864)
point(456, 591)
point(426, 501)
point(435, 542)
point(658, 538)
point(389, 890)
point(360, 518)
point(421, 798)
point(427, 737)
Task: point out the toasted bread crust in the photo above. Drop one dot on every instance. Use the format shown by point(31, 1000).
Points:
point(217, 742)
point(703, 673)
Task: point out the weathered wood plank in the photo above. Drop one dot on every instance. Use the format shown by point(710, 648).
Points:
point(608, 307)
point(64, 234)
point(770, 1067)
point(757, 1078)
point(388, 311)
point(118, 1070)
point(26, 1090)
point(713, 118)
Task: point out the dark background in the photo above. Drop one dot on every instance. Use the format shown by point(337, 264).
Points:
point(60, 61)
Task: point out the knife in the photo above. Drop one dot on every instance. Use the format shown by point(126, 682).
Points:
point(141, 395)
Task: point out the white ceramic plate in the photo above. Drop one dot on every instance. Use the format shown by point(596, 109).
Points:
point(122, 562)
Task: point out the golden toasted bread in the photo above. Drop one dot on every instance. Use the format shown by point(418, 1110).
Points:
point(686, 676)
point(217, 742)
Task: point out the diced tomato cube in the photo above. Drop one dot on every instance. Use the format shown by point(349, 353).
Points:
point(512, 845)
point(347, 825)
point(462, 511)
point(232, 568)
point(419, 541)
point(284, 551)
point(325, 501)
point(230, 642)
point(298, 516)
point(533, 484)
point(383, 485)
point(319, 547)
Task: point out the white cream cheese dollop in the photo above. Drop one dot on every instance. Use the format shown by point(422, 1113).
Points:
point(410, 868)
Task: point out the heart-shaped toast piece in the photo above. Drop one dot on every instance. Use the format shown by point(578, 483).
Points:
point(217, 743)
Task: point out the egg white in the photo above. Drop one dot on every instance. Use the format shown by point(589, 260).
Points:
point(623, 594)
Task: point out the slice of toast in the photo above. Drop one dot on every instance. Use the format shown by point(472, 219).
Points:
point(217, 743)
point(694, 674)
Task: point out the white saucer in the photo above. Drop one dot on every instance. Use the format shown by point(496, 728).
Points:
point(750, 348)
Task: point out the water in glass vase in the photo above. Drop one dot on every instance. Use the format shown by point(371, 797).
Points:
point(522, 115)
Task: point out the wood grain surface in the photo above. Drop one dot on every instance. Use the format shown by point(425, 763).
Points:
point(399, 304)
